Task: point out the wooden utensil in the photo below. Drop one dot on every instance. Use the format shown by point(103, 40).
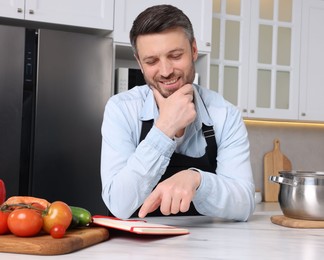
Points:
point(46, 245)
point(274, 162)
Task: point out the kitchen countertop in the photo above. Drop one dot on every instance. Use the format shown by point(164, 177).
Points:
point(209, 238)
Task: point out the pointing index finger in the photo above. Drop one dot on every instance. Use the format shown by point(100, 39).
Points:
point(151, 203)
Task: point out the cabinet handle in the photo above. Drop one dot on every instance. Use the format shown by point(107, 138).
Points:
point(19, 10)
point(244, 110)
point(31, 11)
point(252, 111)
point(303, 114)
point(208, 44)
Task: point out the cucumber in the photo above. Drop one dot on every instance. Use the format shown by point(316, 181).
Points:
point(81, 215)
point(74, 222)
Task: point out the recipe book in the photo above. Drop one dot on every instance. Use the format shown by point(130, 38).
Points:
point(137, 226)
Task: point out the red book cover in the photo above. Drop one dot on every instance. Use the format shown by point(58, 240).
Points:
point(138, 226)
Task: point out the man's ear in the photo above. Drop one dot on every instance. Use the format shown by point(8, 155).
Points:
point(139, 63)
point(194, 50)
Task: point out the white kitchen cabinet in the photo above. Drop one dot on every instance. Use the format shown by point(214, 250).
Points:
point(255, 56)
point(230, 50)
point(12, 8)
point(312, 58)
point(199, 12)
point(274, 59)
point(97, 14)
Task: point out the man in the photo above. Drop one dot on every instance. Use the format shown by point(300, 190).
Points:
point(173, 147)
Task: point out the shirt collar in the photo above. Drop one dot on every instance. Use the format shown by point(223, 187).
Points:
point(202, 113)
point(150, 110)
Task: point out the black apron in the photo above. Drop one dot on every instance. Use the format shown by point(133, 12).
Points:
point(179, 162)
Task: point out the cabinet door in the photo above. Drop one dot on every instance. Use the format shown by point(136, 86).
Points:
point(274, 59)
point(312, 57)
point(12, 8)
point(199, 12)
point(255, 56)
point(96, 14)
point(230, 51)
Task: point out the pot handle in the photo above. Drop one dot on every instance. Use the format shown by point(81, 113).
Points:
point(282, 180)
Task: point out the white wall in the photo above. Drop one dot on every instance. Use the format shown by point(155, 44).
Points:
point(302, 144)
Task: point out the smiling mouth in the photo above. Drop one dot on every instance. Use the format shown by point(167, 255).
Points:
point(170, 82)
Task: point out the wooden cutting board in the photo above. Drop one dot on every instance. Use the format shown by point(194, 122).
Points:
point(295, 223)
point(46, 245)
point(274, 162)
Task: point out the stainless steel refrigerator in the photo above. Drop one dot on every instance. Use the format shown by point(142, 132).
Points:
point(53, 89)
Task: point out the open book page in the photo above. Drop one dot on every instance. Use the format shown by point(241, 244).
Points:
point(138, 226)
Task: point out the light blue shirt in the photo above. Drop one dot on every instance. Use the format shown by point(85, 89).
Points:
point(130, 170)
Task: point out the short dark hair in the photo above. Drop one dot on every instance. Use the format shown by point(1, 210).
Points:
point(157, 19)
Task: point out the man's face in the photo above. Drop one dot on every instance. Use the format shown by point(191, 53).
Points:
point(167, 60)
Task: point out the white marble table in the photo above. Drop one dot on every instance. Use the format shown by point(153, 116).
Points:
point(208, 239)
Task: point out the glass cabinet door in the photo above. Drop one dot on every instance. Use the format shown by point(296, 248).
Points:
point(230, 32)
point(274, 66)
point(254, 58)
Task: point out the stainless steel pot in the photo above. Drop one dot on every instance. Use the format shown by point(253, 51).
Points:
point(301, 194)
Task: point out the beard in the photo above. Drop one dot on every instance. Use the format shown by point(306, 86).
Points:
point(187, 79)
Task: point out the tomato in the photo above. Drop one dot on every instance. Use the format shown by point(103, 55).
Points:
point(57, 231)
point(2, 192)
point(3, 222)
point(59, 213)
point(25, 222)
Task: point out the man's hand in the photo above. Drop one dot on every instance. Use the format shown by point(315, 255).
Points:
point(173, 195)
point(176, 111)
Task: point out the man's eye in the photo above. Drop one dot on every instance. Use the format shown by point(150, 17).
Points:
point(150, 62)
point(176, 56)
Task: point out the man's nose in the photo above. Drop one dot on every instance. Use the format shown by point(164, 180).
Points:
point(166, 68)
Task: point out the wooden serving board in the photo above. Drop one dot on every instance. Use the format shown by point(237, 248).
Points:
point(274, 162)
point(44, 244)
point(296, 223)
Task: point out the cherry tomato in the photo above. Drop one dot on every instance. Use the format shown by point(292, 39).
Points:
point(59, 213)
point(3, 222)
point(57, 231)
point(25, 222)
